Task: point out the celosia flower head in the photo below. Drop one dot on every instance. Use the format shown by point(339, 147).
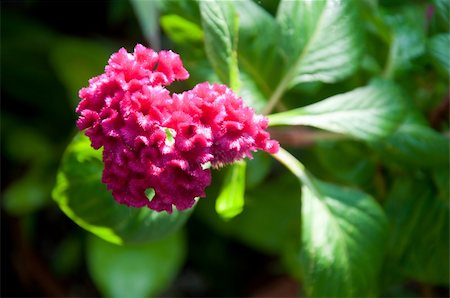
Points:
point(152, 139)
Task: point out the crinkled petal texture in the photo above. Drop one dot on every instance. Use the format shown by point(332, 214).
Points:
point(152, 139)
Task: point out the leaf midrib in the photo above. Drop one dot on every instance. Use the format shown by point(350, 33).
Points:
point(290, 74)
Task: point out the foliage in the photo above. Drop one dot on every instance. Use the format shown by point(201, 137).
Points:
point(361, 211)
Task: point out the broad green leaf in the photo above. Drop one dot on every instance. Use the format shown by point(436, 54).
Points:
point(321, 40)
point(181, 30)
point(82, 196)
point(417, 145)
point(251, 93)
point(419, 221)
point(439, 50)
point(368, 113)
point(136, 271)
point(147, 13)
point(406, 37)
point(343, 234)
point(347, 161)
point(441, 178)
point(231, 198)
point(188, 9)
point(220, 26)
point(443, 11)
point(259, 53)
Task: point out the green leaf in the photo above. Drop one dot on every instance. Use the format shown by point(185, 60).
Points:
point(259, 53)
point(220, 25)
point(419, 221)
point(181, 30)
point(147, 13)
point(417, 145)
point(82, 196)
point(343, 232)
point(321, 40)
point(443, 12)
point(231, 198)
point(368, 113)
point(406, 37)
point(348, 161)
point(135, 270)
point(251, 93)
point(439, 50)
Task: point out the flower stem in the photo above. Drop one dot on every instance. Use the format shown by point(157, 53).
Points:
point(296, 167)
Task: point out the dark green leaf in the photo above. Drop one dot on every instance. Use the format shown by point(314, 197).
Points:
point(231, 198)
point(367, 113)
point(258, 51)
point(443, 11)
point(419, 221)
point(343, 231)
point(277, 199)
point(257, 169)
point(407, 37)
point(321, 40)
point(439, 50)
point(135, 270)
point(220, 25)
point(417, 145)
point(81, 196)
point(347, 161)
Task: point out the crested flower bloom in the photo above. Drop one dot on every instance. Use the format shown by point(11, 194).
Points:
point(152, 139)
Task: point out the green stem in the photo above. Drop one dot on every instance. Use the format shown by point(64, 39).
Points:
point(388, 71)
point(276, 96)
point(296, 167)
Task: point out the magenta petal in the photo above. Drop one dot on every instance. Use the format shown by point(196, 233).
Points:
point(153, 139)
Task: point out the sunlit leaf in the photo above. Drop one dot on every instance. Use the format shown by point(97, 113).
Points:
point(137, 271)
point(343, 231)
point(321, 40)
point(181, 30)
point(220, 25)
point(82, 196)
point(230, 201)
point(367, 113)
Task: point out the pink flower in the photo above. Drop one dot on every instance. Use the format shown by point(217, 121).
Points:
point(152, 139)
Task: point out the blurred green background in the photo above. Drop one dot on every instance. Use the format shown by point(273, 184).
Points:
point(49, 50)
